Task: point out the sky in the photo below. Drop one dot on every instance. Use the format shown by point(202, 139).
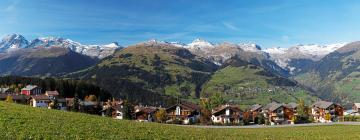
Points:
point(279, 23)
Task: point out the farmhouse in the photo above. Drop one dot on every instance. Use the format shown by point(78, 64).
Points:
point(185, 112)
point(145, 114)
point(356, 107)
point(39, 101)
point(274, 112)
point(326, 111)
point(118, 112)
point(31, 90)
point(254, 111)
point(290, 111)
point(226, 114)
point(91, 107)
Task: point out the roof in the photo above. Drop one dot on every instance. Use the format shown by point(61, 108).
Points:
point(272, 106)
point(186, 106)
point(223, 107)
point(147, 110)
point(61, 100)
point(52, 93)
point(20, 97)
point(88, 103)
point(357, 105)
point(322, 104)
point(40, 97)
point(255, 107)
point(292, 105)
point(29, 87)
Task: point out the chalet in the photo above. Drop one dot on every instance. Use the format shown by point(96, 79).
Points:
point(52, 94)
point(254, 111)
point(274, 112)
point(321, 109)
point(356, 107)
point(91, 107)
point(39, 101)
point(61, 102)
point(185, 112)
point(31, 90)
point(118, 112)
point(290, 111)
point(227, 114)
point(145, 114)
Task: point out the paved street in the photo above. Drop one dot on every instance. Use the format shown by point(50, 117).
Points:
point(274, 126)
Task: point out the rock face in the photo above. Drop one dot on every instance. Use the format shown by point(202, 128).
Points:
point(13, 42)
point(298, 58)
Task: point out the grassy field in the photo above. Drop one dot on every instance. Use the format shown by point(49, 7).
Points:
point(23, 122)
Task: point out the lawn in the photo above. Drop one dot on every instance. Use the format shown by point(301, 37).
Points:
point(23, 122)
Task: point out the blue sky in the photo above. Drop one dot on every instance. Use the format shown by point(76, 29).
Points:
point(268, 23)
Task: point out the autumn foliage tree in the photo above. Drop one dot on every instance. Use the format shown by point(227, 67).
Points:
point(9, 99)
point(205, 111)
point(161, 115)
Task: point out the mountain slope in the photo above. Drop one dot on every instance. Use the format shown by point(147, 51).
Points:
point(336, 76)
point(13, 42)
point(52, 61)
point(297, 59)
point(151, 71)
point(244, 83)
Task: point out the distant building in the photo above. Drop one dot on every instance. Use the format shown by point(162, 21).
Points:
point(31, 90)
point(320, 109)
point(5, 91)
point(227, 114)
point(356, 107)
point(274, 112)
point(185, 112)
point(254, 111)
point(40, 101)
point(52, 94)
point(145, 114)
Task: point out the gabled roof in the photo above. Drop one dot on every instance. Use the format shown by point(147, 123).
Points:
point(52, 93)
point(224, 107)
point(186, 105)
point(357, 105)
point(147, 110)
point(292, 105)
point(255, 107)
point(40, 97)
point(29, 87)
point(272, 106)
point(20, 97)
point(322, 104)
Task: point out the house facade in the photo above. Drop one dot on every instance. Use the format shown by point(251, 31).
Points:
point(52, 94)
point(185, 112)
point(254, 111)
point(227, 114)
point(118, 112)
point(145, 114)
point(274, 113)
point(31, 90)
point(40, 101)
point(324, 111)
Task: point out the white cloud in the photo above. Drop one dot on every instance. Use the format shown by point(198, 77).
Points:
point(230, 26)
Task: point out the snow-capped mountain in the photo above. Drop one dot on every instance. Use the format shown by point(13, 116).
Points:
point(294, 58)
point(13, 42)
point(199, 44)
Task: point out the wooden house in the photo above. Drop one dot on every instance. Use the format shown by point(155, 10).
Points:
point(227, 114)
point(274, 112)
point(52, 94)
point(185, 112)
point(40, 101)
point(321, 109)
point(145, 114)
point(254, 111)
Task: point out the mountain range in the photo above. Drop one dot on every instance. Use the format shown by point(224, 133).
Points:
point(155, 72)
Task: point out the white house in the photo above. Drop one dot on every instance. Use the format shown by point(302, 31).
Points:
point(226, 114)
point(39, 101)
point(118, 112)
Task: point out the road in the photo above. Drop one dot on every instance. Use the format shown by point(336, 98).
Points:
point(273, 126)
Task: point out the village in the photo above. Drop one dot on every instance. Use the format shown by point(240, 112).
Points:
point(184, 112)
